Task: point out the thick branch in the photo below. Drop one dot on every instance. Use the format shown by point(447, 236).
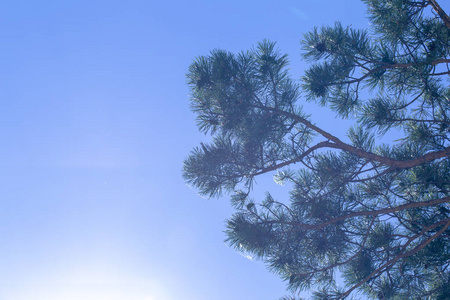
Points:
point(338, 144)
point(441, 12)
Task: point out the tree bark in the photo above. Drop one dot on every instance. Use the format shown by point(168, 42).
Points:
point(338, 144)
point(441, 13)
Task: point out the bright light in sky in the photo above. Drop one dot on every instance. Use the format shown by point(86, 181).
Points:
point(91, 283)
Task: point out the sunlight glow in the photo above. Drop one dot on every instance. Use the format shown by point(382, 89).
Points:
point(91, 283)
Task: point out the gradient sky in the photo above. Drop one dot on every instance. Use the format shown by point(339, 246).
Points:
point(94, 126)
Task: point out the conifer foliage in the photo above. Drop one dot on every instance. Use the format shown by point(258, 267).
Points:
point(376, 214)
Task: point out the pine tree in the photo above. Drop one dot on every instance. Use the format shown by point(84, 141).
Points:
point(377, 214)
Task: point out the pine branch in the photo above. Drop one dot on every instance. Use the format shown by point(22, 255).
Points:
point(388, 66)
point(445, 18)
point(378, 212)
point(292, 161)
point(343, 185)
point(338, 144)
point(391, 262)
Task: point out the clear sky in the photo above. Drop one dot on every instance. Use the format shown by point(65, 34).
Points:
point(94, 126)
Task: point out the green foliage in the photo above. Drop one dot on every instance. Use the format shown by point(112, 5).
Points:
point(376, 215)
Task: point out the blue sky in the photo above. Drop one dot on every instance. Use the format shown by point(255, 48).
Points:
point(94, 126)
